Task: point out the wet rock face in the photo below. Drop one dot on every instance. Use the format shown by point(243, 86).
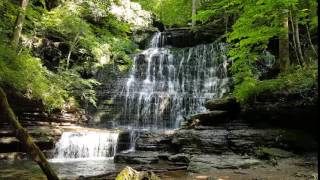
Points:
point(44, 137)
point(297, 110)
point(151, 141)
point(210, 118)
point(123, 141)
point(184, 37)
point(201, 141)
point(240, 139)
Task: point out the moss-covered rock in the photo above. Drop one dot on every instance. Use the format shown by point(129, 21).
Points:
point(225, 104)
point(272, 153)
point(129, 173)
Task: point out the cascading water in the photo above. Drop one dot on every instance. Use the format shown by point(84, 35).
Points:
point(164, 86)
point(167, 84)
point(85, 145)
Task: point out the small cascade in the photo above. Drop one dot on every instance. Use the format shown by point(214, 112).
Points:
point(86, 145)
point(167, 84)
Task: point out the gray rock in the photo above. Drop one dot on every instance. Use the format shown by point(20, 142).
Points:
point(209, 118)
point(180, 158)
point(204, 163)
point(201, 141)
point(246, 140)
point(138, 157)
point(269, 153)
point(148, 141)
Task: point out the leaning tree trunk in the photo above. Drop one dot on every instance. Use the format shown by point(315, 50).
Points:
point(31, 148)
point(294, 39)
point(284, 47)
point(310, 41)
point(297, 37)
point(19, 23)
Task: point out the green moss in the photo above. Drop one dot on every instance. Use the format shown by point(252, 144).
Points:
point(295, 80)
point(130, 174)
point(271, 153)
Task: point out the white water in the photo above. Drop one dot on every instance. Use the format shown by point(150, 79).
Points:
point(88, 145)
point(167, 84)
point(164, 86)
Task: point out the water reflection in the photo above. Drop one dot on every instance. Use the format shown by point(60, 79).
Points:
point(29, 170)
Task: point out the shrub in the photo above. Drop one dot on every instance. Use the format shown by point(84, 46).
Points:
point(296, 79)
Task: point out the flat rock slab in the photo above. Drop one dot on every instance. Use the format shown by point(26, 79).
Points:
point(204, 141)
point(180, 158)
point(268, 153)
point(204, 163)
point(138, 157)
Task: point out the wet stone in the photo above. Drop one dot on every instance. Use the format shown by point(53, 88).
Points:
point(138, 157)
point(204, 163)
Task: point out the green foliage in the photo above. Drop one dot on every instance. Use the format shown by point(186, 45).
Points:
point(170, 12)
point(26, 74)
point(95, 38)
point(295, 80)
point(256, 23)
point(83, 90)
point(8, 11)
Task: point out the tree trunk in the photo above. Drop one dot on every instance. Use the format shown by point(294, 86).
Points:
point(31, 148)
point(310, 41)
point(194, 11)
point(297, 36)
point(293, 38)
point(72, 46)
point(226, 17)
point(284, 47)
point(19, 23)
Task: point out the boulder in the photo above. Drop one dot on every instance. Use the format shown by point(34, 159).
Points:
point(204, 163)
point(129, 173)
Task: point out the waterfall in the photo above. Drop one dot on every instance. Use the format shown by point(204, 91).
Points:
point(167, 84)
point(86, 145)
point(164, 86)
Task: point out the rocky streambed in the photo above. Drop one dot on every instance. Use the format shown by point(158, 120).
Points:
point(217, 144)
